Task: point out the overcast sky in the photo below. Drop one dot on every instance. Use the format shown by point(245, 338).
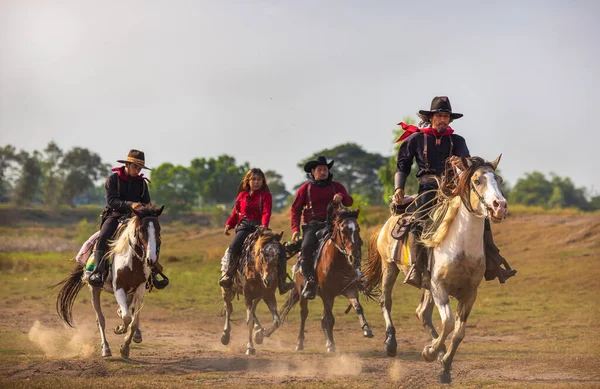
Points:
point(271, 82)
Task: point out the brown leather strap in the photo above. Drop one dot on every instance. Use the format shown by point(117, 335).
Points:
point(425, 159)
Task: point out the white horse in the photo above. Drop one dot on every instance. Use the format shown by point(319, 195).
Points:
point(136, 246)
point(469, 193)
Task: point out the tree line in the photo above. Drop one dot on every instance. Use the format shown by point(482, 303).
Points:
point(53, 177)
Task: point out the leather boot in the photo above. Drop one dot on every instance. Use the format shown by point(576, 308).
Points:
point(283, 285)
point(310, 284)
point(418, 275)
point(493, 260)
point(226, 280)
point(97, 277)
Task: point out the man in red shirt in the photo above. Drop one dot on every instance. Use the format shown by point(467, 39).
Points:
point(311, 203)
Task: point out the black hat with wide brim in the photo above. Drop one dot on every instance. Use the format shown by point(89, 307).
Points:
point(135, 157)
point(310, 165)
point(441, 104)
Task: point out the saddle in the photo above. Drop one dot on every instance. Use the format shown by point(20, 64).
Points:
point(405, 221)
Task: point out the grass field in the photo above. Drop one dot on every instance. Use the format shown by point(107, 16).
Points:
point(537, 330)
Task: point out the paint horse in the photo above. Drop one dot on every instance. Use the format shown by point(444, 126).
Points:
point(467, 195)
point(258, 281)
point(336, 272)
point(135, 247)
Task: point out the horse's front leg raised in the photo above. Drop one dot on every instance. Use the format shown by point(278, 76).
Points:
point(390, 273)
point(352, 296)
point(462, 313)
point(424, 313)
point(100, 320)
point(442, 301)
point(272, 305)
point(327, 322)
point(227, 298)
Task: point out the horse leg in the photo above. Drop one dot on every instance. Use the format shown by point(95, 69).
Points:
point(272, 305)
point(352, 296)
point(121, 298)
point(136, 304)
point(424, 313)
point(390, 273)
point(227, 298)
point(442, 302)
point(303, 316)
point(100, 320)
point(137, 336)
point(462, 313)
point(250, 321)
point(327, 323)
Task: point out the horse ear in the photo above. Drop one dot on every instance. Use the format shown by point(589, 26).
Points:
point(496, 161)
point(138, 214)
point(279, 236)
point(160, 210)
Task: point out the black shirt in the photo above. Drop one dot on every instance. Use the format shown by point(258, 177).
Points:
point(120, 193)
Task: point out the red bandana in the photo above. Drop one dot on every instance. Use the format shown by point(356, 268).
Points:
point(121, 173)
point(410, 129)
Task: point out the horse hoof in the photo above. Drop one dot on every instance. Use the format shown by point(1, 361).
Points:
point(368, 333)
point(119, 330)
point(300, 347)
point(225, 338)
point(106, 352)
point(124, 351)
point(259, 336)
point(445, 378)
point(250, 351)
point(391, 346)
point(331, 349)
point(428, 354)
point(137, 336)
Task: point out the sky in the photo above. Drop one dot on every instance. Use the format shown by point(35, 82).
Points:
point(272, 82)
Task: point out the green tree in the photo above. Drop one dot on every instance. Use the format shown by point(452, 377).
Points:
point(8, 168)
point(534, 189)
point(355, 168)
point(277, 188)
point(172, 186)
point(225, 176)
point(53, 179)
point(27, 187)
point(82, 168)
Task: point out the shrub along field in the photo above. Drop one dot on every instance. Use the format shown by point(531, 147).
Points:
point(540, 329)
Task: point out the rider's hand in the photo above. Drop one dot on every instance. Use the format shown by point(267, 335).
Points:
point(136, 205)
point(227, 228)
point(295, 236)
point(337, 198)
point(399, 196)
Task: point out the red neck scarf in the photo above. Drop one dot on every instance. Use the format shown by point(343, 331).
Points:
point(122, 174)
point(410, 129)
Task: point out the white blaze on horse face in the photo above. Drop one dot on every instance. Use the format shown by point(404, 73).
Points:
point(493, 196)
point(352, 226)
point(152, 256)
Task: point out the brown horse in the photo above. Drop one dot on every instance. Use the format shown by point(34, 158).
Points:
point(137, 245)
point(336, 271)
point(259, 282)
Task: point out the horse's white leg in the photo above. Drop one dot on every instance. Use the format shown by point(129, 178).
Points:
point(272, 305)
point(390, 273)
point(250, 321)
point(303, 316)
point(136, 305)
point(227, 298)
point(424, 312)
point(327, 323)
point(462, 313)
point(442, 301)
point(121, 298)
point(100, 320)
point(352, 296)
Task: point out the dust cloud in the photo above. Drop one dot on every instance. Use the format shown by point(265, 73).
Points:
point(62, 343)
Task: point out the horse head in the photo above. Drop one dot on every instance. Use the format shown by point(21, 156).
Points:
point(346, 233)
point(479, 187)
point(147, 231)
point(266, 253)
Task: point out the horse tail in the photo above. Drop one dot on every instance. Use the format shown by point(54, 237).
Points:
point(66, 296)
point(292, 300)
point(373, 272)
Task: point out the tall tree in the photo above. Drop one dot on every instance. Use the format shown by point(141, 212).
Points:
point(53, 178)
point(27, 187)
point(82, 168)
point(8, 160)
point(173, 187)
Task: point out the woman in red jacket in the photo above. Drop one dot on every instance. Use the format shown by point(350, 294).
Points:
point(252, 209)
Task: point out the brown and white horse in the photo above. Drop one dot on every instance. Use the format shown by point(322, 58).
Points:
point(259, 282)
point(469, 193)
point(137, 245)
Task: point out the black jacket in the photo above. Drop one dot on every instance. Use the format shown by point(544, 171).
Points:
point(120, 194)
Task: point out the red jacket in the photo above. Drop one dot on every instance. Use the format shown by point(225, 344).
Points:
point(320, 196)
point(248, 206)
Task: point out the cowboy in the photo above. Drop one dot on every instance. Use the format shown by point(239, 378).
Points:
point(311, 203)
point(252, 210)
point(431, 145)
point(126, 190)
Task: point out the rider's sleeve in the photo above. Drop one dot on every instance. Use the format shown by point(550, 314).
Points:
point(296, 209)
point(267, 206)
point(460, 147)
point(112, 195)
point(404, 162)
point(346, 198)
point(233, 219)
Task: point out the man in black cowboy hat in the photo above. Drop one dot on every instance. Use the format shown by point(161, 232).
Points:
point(311, 203)
point(126, 189)
point(431, 145)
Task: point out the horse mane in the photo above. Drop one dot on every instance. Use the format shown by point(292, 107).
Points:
point(125, 233)
point(262, 240)
point(452, 192)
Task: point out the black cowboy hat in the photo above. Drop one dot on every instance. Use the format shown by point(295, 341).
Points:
point(310, 165)
point(135, 157)
point(441, 104)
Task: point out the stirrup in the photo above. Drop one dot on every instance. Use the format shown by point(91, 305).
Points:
point(96, 280)
point(159, 284)
point(225, 281)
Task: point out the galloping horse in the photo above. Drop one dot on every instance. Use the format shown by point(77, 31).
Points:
point(137, 244)
point(259, 282)
point(336, 275)
point(468, 194)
